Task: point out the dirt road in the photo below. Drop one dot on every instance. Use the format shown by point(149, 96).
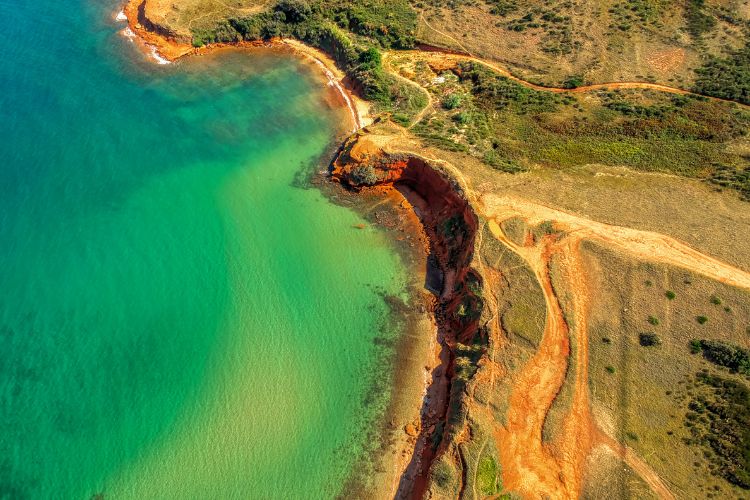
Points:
point(584, 88)
point(644, 245)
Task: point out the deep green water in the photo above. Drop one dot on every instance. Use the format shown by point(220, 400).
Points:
point(178, 318)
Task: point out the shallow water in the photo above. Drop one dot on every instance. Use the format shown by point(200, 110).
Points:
point(179, 318)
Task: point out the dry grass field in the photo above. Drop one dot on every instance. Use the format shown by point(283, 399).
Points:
point(184, 17)
point(643, 400)
point(603, 41)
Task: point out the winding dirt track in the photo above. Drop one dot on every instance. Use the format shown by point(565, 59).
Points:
point(555, 470)
point(584, 88)
point(387, 67)
point(576, 439)
point(531, 466)
point(637, 464)
point(528, 465)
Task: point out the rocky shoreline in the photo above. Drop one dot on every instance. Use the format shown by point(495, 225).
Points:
point(449, 225)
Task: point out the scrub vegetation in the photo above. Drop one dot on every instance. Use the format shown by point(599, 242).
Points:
point(353, 33)
point(727, 77)
point(514, 128)
point(507, 125)
point(718, 419)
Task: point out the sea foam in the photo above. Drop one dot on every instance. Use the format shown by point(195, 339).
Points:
point(334, 82)
point(158, 57)
point(128, 33)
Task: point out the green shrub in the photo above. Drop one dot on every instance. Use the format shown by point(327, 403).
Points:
point(295, 11)
point(726, 430)
point(649, 340)
point(443, 474)
point(401, 119)
point(487, 477)
point(696, 346)
point(494, 160)
point(502, 7)
point(701, 319)
point(728, 78)
point(392, 23)
point(698, 22)
point(715, 300)
point(670, 294)
point(364, 175)
point(653, 320)
point(610, 369)
point(724, 354)
point(502, 92)
point(732, 178)
point(573, 82)
point(452, 101)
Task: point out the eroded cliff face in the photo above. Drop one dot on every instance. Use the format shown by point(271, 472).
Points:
point(451, 225)
point(149, 18)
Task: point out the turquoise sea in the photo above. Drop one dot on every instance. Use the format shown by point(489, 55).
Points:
point(180, 317)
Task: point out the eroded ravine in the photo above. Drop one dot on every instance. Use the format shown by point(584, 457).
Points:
point(529, 467)
point(532, 466)
point(576, 439)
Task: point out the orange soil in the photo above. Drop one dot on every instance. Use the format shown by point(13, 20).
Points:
point(667, 60)
point(528, 465)
point(531, 466)
point(644, 245)
point(576, 439)
point(555, 470)
point(168, 48)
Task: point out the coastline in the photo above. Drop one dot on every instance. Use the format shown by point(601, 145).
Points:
point(447, 219)
point(418, 354)
point(165, 50)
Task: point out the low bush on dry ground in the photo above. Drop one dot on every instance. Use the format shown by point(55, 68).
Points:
point(726, 77)
point(719, 421)
point(648, 395)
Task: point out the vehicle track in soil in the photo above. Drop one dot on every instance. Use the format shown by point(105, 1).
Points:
point(645, 245)
point(529, 468)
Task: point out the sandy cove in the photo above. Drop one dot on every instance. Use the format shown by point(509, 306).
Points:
point(164, 49)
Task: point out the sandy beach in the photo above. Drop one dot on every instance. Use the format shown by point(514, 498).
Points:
point(164, 50)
